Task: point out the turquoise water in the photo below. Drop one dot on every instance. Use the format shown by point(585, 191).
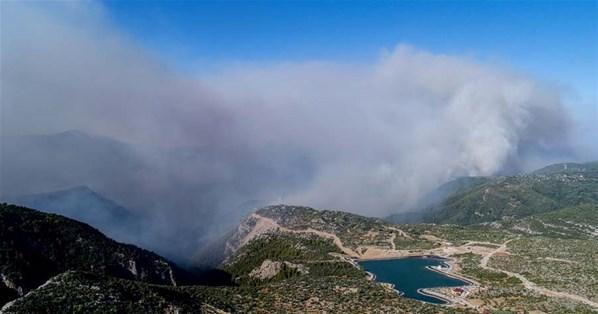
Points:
point(410, 274)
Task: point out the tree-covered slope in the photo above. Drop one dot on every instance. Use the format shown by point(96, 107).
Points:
point(569, 168)
point(293, 259)
point(36, 246)
point(548, 189)
point(426, 205)
point(274, 272)
point(82, 292)
point(578, 222)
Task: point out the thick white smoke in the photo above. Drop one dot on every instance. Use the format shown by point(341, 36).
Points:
point(369, 138)
point(383, 134)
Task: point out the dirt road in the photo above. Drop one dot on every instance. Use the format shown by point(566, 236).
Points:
point(530, 285)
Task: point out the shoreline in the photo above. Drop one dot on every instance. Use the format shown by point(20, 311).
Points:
point(436, 295)
point(448, 301)
point(455, 276)
point(400, 257)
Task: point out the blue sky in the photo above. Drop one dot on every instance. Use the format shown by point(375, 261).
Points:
point(554, 40)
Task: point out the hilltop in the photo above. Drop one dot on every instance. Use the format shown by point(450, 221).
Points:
point(264, 249)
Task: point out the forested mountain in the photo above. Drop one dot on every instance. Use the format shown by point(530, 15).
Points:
point(36, 246)
point(490, 199)
point(298, 259)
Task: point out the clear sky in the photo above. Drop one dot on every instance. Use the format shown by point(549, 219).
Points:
point(553, 40)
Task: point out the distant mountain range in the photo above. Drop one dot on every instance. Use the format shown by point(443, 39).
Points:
point(83, 204)
point(35, 163)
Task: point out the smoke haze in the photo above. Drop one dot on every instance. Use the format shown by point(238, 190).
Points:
point(186, 151)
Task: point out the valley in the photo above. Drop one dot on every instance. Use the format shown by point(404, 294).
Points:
point(298, 157)
point(459, 245)
point(284, 258)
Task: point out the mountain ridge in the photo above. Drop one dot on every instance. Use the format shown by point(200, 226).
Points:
point(300, 259)
point(37, 246)
point(86, 205)
point(547, 189)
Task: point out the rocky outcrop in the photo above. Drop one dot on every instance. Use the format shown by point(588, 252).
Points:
point(8, 283)
point(269, 269)
point(250, 228)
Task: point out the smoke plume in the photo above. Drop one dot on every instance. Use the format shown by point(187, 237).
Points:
point(187, 151)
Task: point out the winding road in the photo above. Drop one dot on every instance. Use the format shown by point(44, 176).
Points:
point(264, 223)
point(528, 284)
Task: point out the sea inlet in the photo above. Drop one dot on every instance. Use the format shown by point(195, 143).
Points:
point(410, 274)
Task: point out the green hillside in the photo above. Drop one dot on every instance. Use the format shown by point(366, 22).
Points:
point(36, 246)
point(578, 222)
point(569, 168)
point(80, 270)
point(427, 203)
point(548, 189)
point(293, 259)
